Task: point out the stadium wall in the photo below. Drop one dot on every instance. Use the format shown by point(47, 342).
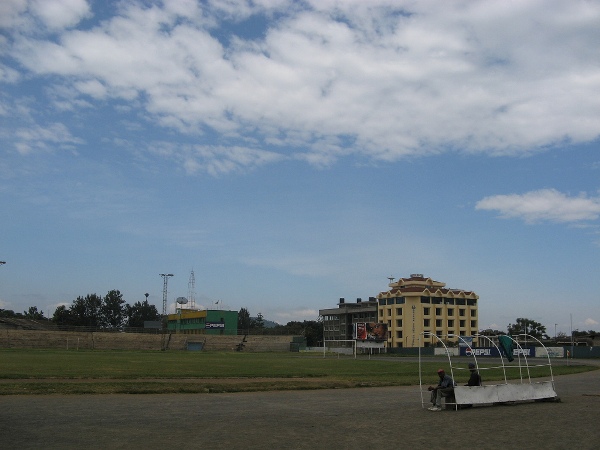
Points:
point(138, 341)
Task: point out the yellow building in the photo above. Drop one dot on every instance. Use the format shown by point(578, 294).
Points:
point(417, 304)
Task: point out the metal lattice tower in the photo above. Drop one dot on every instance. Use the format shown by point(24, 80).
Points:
point(165, 282)
point(192, 291)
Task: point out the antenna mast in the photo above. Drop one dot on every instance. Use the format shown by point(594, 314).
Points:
point(165, 282)
point(192, 291)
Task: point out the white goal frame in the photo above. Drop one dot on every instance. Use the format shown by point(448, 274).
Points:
point(337, 349)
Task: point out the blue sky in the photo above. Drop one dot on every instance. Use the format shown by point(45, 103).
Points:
point(292, 153)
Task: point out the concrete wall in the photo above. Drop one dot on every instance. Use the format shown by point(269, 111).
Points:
point(11, 338)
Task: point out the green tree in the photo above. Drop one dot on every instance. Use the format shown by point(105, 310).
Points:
point(9, 313)
point(33, 314)
point(312, 330)
point(244, 320)
point(259, 322)
point(527, 326)
point(491, 332)
point(112, 310)
point(62, 317)
point(85, 311)
point(140, 312)
point(582, 333)
point(561, 335)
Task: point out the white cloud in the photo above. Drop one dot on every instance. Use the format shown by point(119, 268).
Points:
point(389, 78)
point(299, 315)
point(7, 74)
point(543, 205)
point(60, 13)
point(214, 160)
point(93, 88)
point(10, 12)
point(39, 137)
point(492, 326)
point(590, 322)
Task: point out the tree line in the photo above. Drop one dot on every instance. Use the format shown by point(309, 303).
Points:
point(111, 312)
point(312, 330)
point(107, 312)
point(535, 329)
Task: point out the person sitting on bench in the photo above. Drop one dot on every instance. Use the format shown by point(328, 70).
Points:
point(475, 378)
point(444, 388)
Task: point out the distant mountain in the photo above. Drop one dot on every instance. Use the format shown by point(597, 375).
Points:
point(270, 324)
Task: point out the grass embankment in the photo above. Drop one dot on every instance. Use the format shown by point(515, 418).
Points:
point(149, 372)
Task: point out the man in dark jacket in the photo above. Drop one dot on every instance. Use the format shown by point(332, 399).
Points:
point(475, 378)
point(444, 388)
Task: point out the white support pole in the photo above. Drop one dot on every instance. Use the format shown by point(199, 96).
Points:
point(499, 352)
point(521, 352)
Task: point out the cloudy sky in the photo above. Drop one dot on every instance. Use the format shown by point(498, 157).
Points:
point(294, 152)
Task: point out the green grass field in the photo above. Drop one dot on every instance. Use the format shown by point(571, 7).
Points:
point(97, 372)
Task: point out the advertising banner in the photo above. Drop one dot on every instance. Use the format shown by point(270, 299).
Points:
point(211, 325)
point(360, 331)
point(493, 351)
point(370, 331)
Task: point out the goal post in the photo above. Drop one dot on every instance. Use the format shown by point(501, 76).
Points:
point(339, 347)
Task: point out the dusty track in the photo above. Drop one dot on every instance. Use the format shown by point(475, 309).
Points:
point(335, 418)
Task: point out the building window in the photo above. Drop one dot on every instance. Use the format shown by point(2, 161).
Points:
point(461, 312)
point(398, 311)
point(450, 311)
point(381, 313)
point(471, 302)
point(473, 313)
point(460, 301)
point(436, 300)
point(399, 334)
point(399, 323)
point(449, 301)
point(389, 311)
point(426, 323)
point(399, 300)
point(425, 299)
point(438, 311)
point(462, 323)
point(474, 324)
point(451, 324)
point(426, 311)
point(438, 323)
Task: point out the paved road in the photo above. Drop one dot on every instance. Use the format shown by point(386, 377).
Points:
point(390, 418)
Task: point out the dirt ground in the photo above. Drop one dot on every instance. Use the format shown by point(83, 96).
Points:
point(391, 418)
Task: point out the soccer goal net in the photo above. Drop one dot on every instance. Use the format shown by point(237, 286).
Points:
point(339, 347)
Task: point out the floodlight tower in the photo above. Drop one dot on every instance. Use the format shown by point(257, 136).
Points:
point(192, 291)
point(166, 277)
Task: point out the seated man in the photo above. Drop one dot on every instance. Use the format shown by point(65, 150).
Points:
point(444, 388)
point(475, 378)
